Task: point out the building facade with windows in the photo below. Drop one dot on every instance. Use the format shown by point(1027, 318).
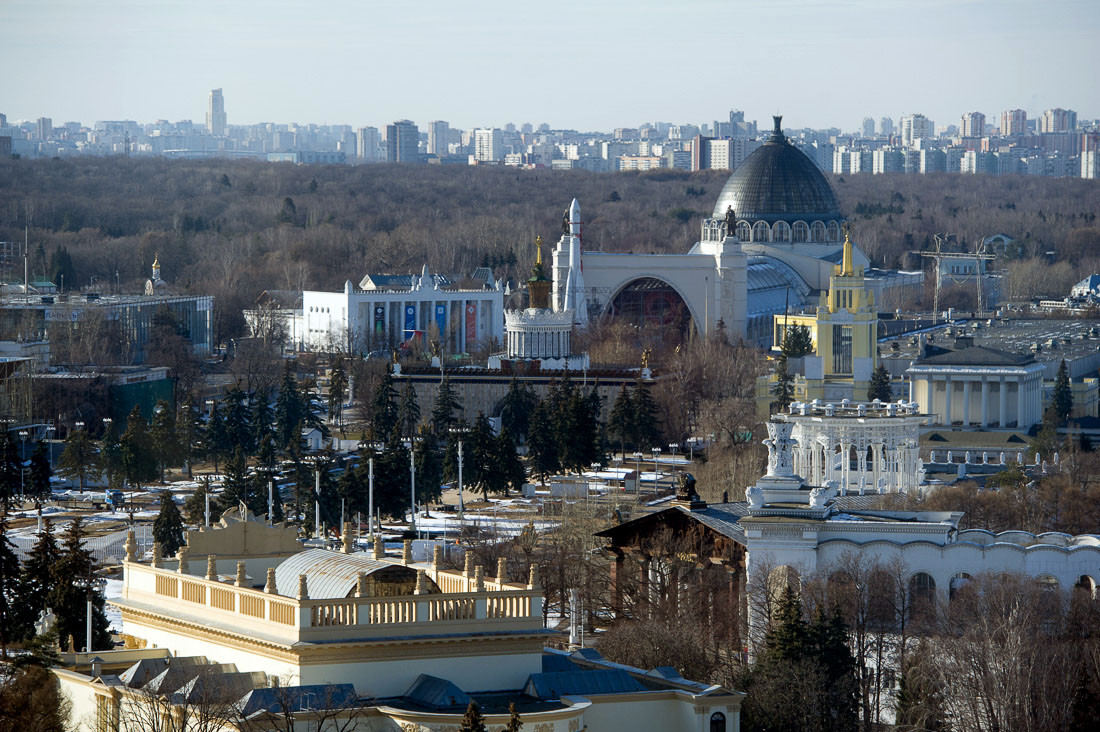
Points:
point(246, 627)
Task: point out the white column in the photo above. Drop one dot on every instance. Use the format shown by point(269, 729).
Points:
point(1003, 397)
point(1020, 391)
point(985, 402)
point(966, 403)
point(930, 392)
point(947, 400)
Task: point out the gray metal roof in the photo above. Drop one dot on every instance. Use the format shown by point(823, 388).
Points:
point(329, 575)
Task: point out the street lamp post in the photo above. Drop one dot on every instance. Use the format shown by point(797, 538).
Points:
point(411, 443)
point(656, 472)
point(638, 474)
point(460, 431)
point(50, 429)
point(22, 463)
point(83, 446)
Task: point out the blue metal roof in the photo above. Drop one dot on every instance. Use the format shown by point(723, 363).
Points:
point(298, 698)
point(437, 693)
point(555, 685)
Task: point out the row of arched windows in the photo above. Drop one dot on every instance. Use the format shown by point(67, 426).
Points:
point(798, 233)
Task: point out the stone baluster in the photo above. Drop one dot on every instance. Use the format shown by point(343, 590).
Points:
point(502, 570)
point(211, 567)
point(184, 558)
point(269, 588)
point(303, 587)
point(242, 577)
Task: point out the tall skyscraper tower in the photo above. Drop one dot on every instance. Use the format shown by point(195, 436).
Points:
point(439, 134)
point(973, 124)
point(215, 114)
point(1013, 122)
point(488, 145)
point(916, 127)
point(868, 127)
point(402, 142)
point(887, 126)
point(368, 143)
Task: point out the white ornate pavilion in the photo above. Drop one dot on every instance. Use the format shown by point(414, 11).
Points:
point(865, 447)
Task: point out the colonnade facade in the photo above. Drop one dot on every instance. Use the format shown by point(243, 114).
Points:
point(865, 448)
point(975, 397)
point(538, 333)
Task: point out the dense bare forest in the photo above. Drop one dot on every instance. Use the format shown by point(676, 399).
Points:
point(235, 228)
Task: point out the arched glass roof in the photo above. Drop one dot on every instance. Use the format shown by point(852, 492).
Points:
point(331, 575)
point(773, 284)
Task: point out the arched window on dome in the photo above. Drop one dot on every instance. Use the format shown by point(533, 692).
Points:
point(781, 231)
point(760, 232)
point(832, 231)
point(800, 232)
point(817, 231)
point(744, 231)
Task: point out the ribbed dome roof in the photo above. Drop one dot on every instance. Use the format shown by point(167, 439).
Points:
point(778, 182)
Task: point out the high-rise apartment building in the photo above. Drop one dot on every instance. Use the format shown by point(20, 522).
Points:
point(1013, 122)
point(1058, 120)
point(868, 126)
point(402, 142)
point(488, 145)
point(439, 135)
point(215, 114)
point(367, 138)
point(973, 124)
point(916, 127)
point(44, 128)
point(886, 126)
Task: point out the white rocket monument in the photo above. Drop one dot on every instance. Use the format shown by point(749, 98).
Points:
point(570, 241)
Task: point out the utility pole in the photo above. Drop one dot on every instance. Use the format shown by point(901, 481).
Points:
point(937, 255)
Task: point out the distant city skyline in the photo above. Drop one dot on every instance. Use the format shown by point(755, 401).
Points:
point(584, 66)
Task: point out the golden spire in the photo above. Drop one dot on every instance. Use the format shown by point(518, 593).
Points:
point(846, 262)
point(156, 259)
point(538, 251)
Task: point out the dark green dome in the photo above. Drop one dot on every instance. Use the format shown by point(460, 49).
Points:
point(778, 182)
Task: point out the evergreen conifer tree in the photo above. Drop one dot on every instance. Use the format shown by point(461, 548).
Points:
point(879, 388)
point(168, 525)
point(542, 442)
point(139, 462)
point(1062, 399)
point(288, 410)
point(162, 434)
point(514, 722)
point(797, 342)
point(238, 428)
point(391, 477)
point(238, 487)
point(647, 432)
point(69, 598)
point(262, 418)
point(446, 405)
point(38, 570)
point(620, 423)
point(38, 484)
point(15, 620)
point(472, 721)
point(384, 410)
point(217, 439)
point(429, 468)
point(110, 458)
point(189, 433)
point(480, 456)
point(509, 467)
point(77, 461)
point(409, 411)
point(337, 387)
point(783, 391)
point(194, 508)
point(516, 408)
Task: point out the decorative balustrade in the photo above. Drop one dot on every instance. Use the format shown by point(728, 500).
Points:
point(459, 602)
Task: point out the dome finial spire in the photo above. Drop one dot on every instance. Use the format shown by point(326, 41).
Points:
point(778, 120)
point(846, 259)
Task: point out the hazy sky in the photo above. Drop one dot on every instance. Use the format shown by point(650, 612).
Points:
point(582, 64)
